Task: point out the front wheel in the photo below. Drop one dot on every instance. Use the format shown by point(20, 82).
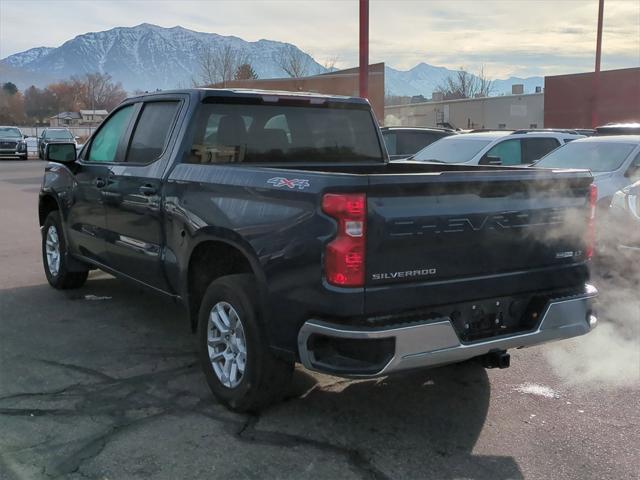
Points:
point(54, 256)
point(234, 353)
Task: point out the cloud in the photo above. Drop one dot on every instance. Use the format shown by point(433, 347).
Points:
point(526, 37)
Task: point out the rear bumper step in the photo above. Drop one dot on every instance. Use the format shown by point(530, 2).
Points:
point(371, 352)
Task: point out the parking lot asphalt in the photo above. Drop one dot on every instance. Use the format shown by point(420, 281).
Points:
point(102, 382)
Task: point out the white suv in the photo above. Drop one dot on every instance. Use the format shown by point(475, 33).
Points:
point(519, 147)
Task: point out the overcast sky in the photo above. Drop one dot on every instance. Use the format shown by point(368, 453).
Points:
point(508, 37)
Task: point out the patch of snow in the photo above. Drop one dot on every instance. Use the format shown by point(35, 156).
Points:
point(535, 389)
point(96, 297)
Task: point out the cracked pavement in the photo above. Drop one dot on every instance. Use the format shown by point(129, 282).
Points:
point(102, 383)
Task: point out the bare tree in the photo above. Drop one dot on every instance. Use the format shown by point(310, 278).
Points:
point(293, 61)
point(98, 91)
point(330, 63)
point(463, 84)
point(218, 66)
point(485, 85)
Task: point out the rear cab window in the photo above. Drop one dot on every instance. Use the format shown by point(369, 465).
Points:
point(287, 132)
point(151, 132)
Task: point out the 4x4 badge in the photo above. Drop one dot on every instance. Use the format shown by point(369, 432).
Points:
point(299, 183)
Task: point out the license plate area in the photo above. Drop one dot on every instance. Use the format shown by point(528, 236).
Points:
point(484, 319)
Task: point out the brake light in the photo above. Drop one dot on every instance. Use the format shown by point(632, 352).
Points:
point(345, 255)
point(590, 239)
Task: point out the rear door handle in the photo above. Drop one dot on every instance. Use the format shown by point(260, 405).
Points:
point(100, 182)
point(148, 190)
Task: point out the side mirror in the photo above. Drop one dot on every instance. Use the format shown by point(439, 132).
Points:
point(60, 152)
point(490, 160)
point(76, 138)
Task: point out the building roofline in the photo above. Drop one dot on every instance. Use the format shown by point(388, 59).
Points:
point(461, 100)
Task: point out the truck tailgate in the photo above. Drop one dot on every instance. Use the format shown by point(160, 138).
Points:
point(433, 238)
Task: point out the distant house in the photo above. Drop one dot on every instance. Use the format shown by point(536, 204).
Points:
point(65, 119)
point(93, 117)
point(83, 118)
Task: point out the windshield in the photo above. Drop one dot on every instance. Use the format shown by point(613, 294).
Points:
point(451, 150)
point(597, 157)
point(59, 134)
point(227, 133)
point(10, 132)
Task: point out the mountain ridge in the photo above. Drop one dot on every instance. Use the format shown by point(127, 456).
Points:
point(150, 57)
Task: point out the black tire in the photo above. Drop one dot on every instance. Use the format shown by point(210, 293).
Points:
point(265, 376)
point(63, 278)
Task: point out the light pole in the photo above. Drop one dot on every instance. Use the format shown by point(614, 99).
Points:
point(364, 49)
point(596, 74)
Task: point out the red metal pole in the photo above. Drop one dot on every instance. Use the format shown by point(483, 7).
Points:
point(364, 48)
point(596, 74)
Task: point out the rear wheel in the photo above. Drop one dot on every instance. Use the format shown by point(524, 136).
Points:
point(239, 367)
point(54, 256)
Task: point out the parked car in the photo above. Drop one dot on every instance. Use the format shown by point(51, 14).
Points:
point(613, 160)
point(624, 224)
point(53, 135)
point(278, 222)
point(631, 128)
point(402, 142)
point(500, 147)
point(12, 143)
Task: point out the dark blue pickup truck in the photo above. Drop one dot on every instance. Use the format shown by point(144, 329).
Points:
point(277, 220)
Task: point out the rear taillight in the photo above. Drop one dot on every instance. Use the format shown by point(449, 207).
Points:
point(345, 255)
point(590, 239)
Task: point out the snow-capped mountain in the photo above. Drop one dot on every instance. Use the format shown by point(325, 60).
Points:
point(424, 79)
point(148, 57)
point(24, 58)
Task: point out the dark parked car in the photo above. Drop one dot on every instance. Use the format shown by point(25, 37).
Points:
point(278, 222)
point(402, 142)
point(53, 135)
point(12, 143)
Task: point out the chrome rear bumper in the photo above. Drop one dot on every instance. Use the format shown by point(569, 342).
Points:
point(436, 342)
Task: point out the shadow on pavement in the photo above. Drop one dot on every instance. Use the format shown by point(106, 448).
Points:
point(122, 357)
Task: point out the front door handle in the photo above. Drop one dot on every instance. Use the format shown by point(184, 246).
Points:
point(148, 190)
point(100, 182)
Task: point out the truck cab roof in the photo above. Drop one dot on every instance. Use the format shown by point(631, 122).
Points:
point(265, 95)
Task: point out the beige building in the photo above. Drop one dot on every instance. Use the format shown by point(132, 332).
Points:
point(508, 111)
point(83, 118)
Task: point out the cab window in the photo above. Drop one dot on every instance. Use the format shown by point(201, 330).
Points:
point(412, 142)
point(152, 131)
point(104, 145)
point(633, 172)
point(535, 148)
point(390, 142)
